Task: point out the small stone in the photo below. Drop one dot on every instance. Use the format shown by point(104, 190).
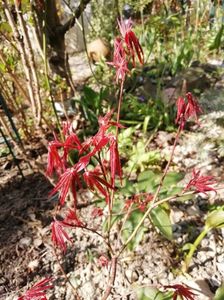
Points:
point(25, 242)
point(33, 265)
point(220, 267)
point(37, 242)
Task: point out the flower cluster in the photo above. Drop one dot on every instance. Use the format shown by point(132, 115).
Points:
point(182, 291)
point(38, 291)
point(187, 108)
point(201, 184)
point(126, 48)
point(73, 175)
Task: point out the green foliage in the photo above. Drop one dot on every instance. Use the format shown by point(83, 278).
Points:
point(135, 111)
point(219, 295)
point(149, 180)
point(160, 218)
point(4, 151)
point(215, 219)
point(138, 158)
point(152, 293)
point(218, 38)
point(129, 227)
point(103, 20)
point(91, 105)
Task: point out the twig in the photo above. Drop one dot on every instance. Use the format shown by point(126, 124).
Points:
point(71, 22)
point(31, 62)
point(22, 51)
point(111, 279)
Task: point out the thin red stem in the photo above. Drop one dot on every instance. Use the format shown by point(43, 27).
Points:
point(116, 134)
point(111, 279)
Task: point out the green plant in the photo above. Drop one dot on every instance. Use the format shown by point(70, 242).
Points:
point(214, 220)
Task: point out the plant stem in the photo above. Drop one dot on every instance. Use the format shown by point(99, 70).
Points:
point(100, 235)
point(116, 135)
point(193, 248)
point(112, 278)
point(119, 105)
point(167, 166)
point(154, 203)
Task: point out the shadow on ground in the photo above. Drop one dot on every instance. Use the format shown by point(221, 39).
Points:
point(24, 209)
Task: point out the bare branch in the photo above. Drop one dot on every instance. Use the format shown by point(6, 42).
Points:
point(71, 22)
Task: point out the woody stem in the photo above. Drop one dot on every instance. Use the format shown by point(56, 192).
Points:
point(116, 135)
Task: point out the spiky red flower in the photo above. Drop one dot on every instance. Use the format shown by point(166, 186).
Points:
point(94, 180)
point(38, 291)
point(131, 40)
point(193, 108)
point(54, 161)
point(186, 109)
point(181, 290)
point(72, 219)
point(119, 60)
point(59, 235)
point(64, 184)
point(181, 108)
point(201, 184)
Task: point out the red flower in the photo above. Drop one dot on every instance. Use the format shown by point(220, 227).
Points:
point(131, 40)
point(71, 219)
point(71, 143)
point(38, 291)
point(59, 235)
point(64, 184)
point(54, 161)
point(93, 180)
point(181, 290)
point(181, 108)
point(187, 109)
point(202, 184)
point(193, 108)
point(119, 60)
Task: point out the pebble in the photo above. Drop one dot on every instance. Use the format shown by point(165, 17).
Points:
point(25, 242)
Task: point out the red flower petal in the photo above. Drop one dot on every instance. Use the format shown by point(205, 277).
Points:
point(59, 235)
point(37, 292)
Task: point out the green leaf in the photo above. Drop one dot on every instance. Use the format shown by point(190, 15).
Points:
point(217, 41)
point(128, 188)
point(170, 183)
point(161, 220)
point(147, 181)
point(146, 123)
point(172, 178)
point(219, 295)
point(151, 293)
point(129, 227)
point(215, 219)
